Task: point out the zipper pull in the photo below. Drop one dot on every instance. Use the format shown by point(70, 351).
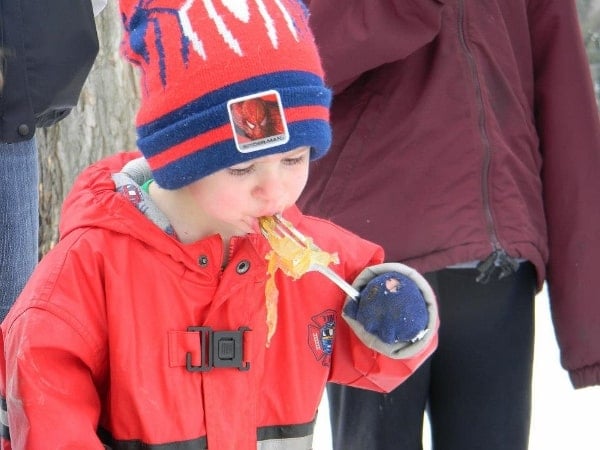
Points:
point(486, 268)
point(500, 261)
point(507, 264)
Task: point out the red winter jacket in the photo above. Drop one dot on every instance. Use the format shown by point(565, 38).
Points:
point(465, 128)
point(104, 342)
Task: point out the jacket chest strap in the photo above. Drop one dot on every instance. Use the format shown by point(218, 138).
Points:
point(200, 349)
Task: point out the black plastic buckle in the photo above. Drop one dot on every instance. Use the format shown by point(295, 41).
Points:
point(218, 349)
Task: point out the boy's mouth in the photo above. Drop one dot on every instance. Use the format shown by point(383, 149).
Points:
point(252, 225)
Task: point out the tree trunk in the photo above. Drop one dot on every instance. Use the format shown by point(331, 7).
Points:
point(102, 124)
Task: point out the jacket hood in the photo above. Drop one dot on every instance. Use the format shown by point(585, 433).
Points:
point(93, 202)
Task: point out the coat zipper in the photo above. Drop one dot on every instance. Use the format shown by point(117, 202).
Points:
point(498, 259)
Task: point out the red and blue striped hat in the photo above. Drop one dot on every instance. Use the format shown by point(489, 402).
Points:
point(223, 82)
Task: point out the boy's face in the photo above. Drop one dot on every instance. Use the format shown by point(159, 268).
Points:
point(232, 199)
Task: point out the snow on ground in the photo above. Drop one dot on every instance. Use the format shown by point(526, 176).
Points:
point(562, 417)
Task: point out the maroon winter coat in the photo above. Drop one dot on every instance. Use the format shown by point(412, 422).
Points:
point(464, 128)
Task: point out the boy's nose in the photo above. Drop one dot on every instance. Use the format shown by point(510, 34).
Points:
point(271, 192)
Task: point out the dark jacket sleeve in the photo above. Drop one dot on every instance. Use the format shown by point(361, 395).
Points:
point(48, 49)
point(364, 34)
point(569, 131)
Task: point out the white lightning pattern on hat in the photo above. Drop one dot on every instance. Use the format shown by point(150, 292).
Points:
point(230, 40)
point(188, 30)
point(288, 19)
point(268, 22)
point(241, 11)
point(238, 8)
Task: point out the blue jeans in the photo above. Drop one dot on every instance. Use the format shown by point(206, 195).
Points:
point(19, 223)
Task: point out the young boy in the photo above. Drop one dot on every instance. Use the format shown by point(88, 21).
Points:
point(146, 326)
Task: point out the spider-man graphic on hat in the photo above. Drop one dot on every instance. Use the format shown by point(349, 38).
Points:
point(257, 118)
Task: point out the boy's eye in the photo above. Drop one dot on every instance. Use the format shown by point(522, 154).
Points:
point(248, 168)
point(240, 171)
point(295, 160)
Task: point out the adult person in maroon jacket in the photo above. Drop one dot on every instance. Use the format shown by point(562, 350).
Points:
point(467, 142)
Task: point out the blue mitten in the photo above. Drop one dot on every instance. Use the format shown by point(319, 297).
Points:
point(396, 309)
point(392, 307)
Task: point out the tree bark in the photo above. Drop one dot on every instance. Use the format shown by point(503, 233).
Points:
point(102, 124)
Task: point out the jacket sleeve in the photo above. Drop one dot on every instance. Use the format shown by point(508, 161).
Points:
point(50, 392)
point(373, 370)
point(55, 349)
point(355, 36)
point(569, 131)
point(49, 51)
point(356, 364)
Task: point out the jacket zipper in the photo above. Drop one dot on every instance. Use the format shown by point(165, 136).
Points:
point(498, 259)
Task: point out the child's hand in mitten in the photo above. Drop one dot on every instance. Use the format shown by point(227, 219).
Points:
point(392, 307)
point(395, 309)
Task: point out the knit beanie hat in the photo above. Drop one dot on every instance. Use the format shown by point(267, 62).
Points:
point(223, 82)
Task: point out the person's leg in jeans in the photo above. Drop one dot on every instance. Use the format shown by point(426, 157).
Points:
point(366, 420)
point(478, 381)
point(19, 224)
point(480, 396)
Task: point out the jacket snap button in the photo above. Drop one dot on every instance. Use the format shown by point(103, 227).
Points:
point(23, 129)
point(243, 266)
point(203, 261)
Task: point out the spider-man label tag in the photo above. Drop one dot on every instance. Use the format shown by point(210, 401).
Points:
point(258, 121)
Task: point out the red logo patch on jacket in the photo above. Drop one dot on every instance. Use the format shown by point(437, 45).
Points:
point(321, 334)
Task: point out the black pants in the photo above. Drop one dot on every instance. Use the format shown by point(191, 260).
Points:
point(476, 387)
